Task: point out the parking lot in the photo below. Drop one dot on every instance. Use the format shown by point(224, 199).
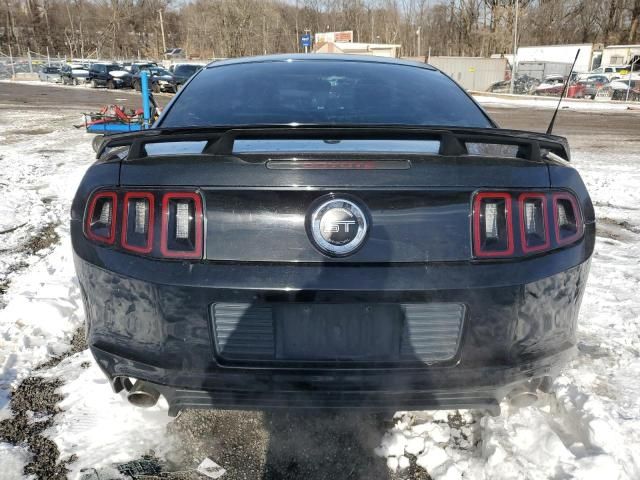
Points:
point(588, 425)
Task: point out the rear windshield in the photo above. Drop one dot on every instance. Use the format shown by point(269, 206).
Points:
point(326, 92)
point(186, 69)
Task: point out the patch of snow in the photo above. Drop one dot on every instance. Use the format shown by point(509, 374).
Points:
point(12, 462)
point(96, 425)
point(515, 101)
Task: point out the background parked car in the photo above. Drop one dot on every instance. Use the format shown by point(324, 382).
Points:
point(49, 74)
point(183, 72)
point(589, 86)
point(110, 75)
point(551, 85)
point(74, 74)
point(136, 67)
point(160, 80)
point(619, 89)
point(609, 71)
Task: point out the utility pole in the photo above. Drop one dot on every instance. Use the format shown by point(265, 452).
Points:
point(13, 68)
point(515, 49)
point(630, 76)
point(164, 43)
point(297, 31)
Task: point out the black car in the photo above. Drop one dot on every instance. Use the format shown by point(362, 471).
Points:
point(333, 232)
point(183, 72)
point(160, 79)
point(110, 75)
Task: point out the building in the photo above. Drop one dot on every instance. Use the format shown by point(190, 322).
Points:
point(375, 49)
point(620, 54)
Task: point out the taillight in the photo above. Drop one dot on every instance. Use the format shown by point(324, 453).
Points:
point(180, 215)
point(495, 215)
point(138, 217)
point(492, 225)
point(566, 218)
point(534, 228)
point(182, 225)
point(100, 220)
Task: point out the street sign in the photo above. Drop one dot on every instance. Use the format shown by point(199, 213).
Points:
point(305, 40)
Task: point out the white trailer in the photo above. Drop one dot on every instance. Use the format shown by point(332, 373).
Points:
point(559, 54)
point(473, 73)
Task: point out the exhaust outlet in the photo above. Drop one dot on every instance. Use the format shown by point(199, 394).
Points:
point(143, 395)
point(524, 395)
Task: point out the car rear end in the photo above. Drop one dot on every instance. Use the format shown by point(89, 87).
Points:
point(380, 267)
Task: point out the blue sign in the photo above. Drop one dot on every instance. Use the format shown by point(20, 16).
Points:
point(305, 40)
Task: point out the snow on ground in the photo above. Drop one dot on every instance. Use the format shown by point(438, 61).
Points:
point(97, 426)
point(42, 159)
point(515, 101)
point(589, 428)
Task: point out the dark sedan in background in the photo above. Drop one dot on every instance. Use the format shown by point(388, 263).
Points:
point(331, 232)
point(183, 72)
point(110, 75)
point(160, 79)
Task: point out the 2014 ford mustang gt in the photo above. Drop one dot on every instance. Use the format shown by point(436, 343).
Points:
point(319, 231)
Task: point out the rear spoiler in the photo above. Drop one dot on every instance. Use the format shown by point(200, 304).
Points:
point(531, 145)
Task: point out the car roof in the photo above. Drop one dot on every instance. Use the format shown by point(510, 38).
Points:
point(319, 57)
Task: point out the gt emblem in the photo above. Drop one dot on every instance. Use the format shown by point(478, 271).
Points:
point(337, 226)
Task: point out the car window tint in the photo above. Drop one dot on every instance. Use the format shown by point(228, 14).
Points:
point(323, 92)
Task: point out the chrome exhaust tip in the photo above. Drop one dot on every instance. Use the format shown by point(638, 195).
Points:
point(143, 395)
point(524, 395)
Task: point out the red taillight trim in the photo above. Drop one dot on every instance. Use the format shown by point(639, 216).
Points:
point(523, 237)
point(125, 219)
point(576, 211)
point(110, 240)
point(197, 201)
point(477, 249)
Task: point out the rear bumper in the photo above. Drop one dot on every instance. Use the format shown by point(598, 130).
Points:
point(152, 321)
point(481, 387)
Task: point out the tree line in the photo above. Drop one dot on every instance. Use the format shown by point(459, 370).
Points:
point(230, 28)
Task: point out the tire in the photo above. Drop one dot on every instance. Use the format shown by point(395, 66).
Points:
point(111, 85)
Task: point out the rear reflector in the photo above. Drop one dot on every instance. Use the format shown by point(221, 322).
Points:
point(182, 225)
point(567, 220)
point(138, 222)
point(100, 220)
point(492, 225)
point(534, 229)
